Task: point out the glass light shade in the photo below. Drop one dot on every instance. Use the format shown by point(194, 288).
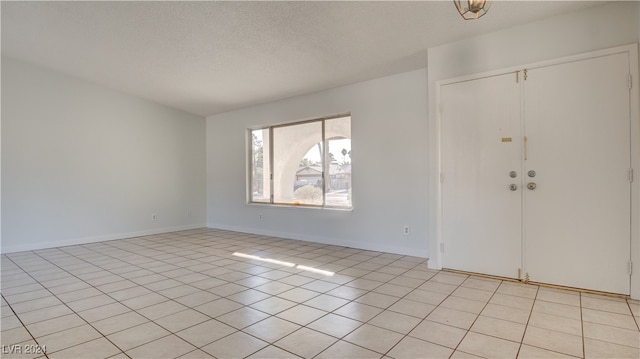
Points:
point(472, 9)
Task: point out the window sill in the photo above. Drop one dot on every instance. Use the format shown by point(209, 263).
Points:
point(311, 207)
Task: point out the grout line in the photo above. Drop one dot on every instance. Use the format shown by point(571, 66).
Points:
point(584, 353)
point(632, 315)
point(526, 326)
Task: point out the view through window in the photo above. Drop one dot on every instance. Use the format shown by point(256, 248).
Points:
point(305, 163)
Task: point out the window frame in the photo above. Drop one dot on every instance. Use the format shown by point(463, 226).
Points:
point(325, 165)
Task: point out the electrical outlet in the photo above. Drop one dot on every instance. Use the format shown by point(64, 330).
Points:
point(406, 230)
point(154, 217)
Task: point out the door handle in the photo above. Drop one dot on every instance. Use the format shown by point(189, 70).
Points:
point(513, 186)
point(531, 186)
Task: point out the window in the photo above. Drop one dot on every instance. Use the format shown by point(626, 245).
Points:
point(290, 164)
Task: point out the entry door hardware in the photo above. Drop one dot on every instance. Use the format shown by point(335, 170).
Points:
point(513, 186)
point(531, 185)
point(513, 174)
point(531, 173)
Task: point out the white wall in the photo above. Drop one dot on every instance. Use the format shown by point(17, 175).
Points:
point(595, 28)
point(82, 163)
point(388, 126)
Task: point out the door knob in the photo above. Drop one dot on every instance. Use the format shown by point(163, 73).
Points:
point(513, 174)
point(531, 185)
point(531, 173)
point(513, 186)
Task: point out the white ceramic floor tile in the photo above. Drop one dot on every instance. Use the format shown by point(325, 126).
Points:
point(438, 333)
point(205, 333)
point(499, 328)
point(236, 345)
point(410, 348)
point(306, 343)
point(473, 294)
point(243, 317)
point(413, 308)
point(119, 322)
point(358, 311)
point(625, 321)
point(272, 352)
point(529, 352)
point(374, 338)
point(556, 323)
point(559, 296)
point(68, 338)
point(463, 304)
point(273, 305)
point(612, 334)
point(335, 325)
point(607, 304)
point(301, 314)
point(138, 335)
point(557, 309)
point(554, 341)
point(181, 320)
point(506, 313)
point(488, 347)
point(98, 348)
point(167, 347)
point(218, 307)
point(54, 325)
point(342, 349)
point(599, 349)
point(425, 296)
point(397, 322)
point(489, 285)
point(377, 305)
point(272, 329)
point(452, 317)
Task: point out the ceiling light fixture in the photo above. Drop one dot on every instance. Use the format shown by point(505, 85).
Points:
point(472, 9)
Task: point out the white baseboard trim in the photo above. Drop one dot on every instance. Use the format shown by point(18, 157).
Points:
point(324, 240)
point(93, 239)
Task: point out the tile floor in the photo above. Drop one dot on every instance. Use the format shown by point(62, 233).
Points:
point(185, 295)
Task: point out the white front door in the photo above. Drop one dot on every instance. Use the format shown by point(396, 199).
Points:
point(577, 219)
point(573, 227)
point(481, 146)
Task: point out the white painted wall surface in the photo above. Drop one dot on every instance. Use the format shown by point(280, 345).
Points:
point(596, 28)
point(82, 163)
point(388, 126)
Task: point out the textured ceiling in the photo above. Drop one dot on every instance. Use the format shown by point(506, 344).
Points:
point(211, 57)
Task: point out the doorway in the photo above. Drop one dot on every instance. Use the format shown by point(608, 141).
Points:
point(536, 173)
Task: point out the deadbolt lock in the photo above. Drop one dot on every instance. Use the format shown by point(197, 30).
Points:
point(531, 173)
point(531, 185)
point(513, 186)
point(513, 174)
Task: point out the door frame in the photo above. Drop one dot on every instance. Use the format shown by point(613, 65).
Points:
point(436, 244)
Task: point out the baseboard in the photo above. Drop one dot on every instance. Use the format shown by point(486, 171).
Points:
point(93, 239)
point(324, 240)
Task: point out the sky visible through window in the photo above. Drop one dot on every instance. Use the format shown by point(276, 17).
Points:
point(335, 147)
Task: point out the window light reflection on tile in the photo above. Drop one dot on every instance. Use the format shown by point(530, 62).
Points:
point(269, 260)
point(287, 264)
point(315, 270)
